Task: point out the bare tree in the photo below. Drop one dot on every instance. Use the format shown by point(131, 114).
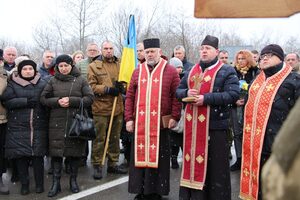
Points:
point(83, 15)
point(292, 44)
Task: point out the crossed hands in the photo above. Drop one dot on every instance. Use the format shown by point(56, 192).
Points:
point(64, 102)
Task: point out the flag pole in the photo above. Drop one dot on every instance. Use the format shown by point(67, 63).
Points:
point(109, 130)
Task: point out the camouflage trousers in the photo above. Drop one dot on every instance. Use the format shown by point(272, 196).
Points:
point(113, 151)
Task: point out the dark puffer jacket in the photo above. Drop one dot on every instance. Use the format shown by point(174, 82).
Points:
point(76, 88)
point(27, 127)
point(284, 100)
point(226, 92)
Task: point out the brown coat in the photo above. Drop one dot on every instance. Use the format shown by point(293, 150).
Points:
point(3, 84)
point(280, 175)
point(101, 74)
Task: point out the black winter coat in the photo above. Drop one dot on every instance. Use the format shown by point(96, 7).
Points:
point(226, 92)
point(76, 88)
point(27, 126)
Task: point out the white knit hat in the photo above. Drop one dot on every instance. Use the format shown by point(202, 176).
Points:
point(176, 62)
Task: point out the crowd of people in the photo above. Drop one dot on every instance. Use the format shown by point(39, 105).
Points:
point(169, 104)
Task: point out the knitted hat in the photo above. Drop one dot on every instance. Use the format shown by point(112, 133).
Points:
point(211, 41)
point(176, 62)
point(24, 63)
point(274, 49)
point(151, 43)
point(64, 58)
point(20, 59)
point(1, 54)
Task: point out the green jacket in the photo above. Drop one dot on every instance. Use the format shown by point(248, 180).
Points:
point(83, 66)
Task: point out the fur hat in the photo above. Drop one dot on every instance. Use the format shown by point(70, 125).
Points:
point(24, 63)
point(151, 43)
point(64, 58)
point(176, 62)
point(274, 49)
point(211, 41)
point(1, 54)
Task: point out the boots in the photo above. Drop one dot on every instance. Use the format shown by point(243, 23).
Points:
point(14, 171)
point(97, 172)
point(74, 162)
point(3, 188)
point(22, 165)
point(24, 189)
point(38, 168)
point(55, 189)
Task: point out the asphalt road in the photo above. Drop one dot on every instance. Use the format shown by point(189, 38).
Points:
point(111, 187)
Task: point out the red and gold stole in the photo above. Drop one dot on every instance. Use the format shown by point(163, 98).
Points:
point(257, 111)
point(147, 123)
point(196, 127)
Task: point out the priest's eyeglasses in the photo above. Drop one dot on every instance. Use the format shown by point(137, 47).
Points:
point(267, 55)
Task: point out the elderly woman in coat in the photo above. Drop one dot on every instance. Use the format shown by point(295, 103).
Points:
point(63, 95)
point(26, 137)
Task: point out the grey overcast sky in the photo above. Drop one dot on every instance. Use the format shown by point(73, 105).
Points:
point(18, 18)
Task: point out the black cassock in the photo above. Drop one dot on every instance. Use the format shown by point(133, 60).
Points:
point(150, 180)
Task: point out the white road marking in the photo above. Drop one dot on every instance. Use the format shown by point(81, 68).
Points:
point(96, 189)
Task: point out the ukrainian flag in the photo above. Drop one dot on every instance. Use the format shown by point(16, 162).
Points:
point(129, 57)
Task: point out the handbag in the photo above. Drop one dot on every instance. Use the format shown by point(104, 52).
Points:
point(82, 126)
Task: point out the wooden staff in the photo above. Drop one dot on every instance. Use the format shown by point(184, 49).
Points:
point(109, 130)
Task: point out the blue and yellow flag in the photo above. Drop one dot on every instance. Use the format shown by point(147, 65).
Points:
point(129, 58)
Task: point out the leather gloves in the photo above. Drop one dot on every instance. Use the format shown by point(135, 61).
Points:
point(120, 86)
point(112, 91)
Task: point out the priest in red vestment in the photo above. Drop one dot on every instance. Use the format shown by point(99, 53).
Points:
point(150, 98)
point(270, 98)
point(211, 87)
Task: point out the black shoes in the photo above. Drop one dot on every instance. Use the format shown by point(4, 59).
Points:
point(153, 196)
point(116, 170)
point(139, 197)
point(73, 185)
point(97, 172)
point(24, 189)
point(39, 189)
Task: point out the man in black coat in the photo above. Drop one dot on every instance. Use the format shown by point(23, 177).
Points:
point(270, 98)
point(211, 87)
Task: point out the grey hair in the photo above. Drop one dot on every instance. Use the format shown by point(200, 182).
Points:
point(178, 47)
